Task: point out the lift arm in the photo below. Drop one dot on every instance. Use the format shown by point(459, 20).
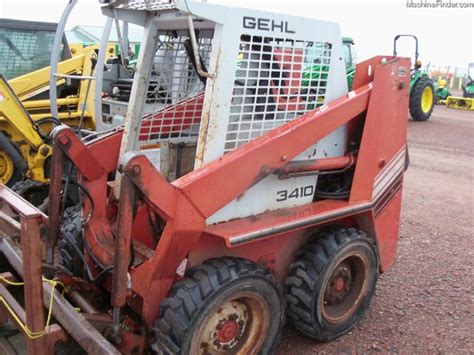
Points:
point(13, 111)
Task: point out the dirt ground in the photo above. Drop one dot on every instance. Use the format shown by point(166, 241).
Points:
point(424, 304)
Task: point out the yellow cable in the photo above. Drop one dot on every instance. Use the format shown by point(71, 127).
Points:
point(30, 334)
point(8, 282)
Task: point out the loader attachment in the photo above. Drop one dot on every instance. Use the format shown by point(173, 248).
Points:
point(21, 228)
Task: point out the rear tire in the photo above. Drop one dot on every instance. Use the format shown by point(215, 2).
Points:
point(418, 110)
point(330, 285)
point(72, 243)
point(227, 305)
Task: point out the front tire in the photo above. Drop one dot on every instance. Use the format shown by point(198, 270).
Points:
point(422, 99)
point(330, 285)
point(227, 305)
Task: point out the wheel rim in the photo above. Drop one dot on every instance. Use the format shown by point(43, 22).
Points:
point(427, 99)
point(6, 167)
point(238, 326)
point(345, 288)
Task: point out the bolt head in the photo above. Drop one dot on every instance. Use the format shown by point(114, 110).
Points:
point(44, 151)
point(136, 169)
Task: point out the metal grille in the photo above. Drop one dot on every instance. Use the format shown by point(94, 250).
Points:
point(23, 51)
point(277, 80)
point(146, 5)
point(175, 91)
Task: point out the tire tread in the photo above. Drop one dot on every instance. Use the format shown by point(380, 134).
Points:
point(187, 296)
point(306, 271)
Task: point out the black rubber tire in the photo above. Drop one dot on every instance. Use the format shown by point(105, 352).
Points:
point(72, 243)
point(13, 152)
point(308, 277)
point(416, 111)
point(467, 95)
point(16, 177)
point(33, 191)
point(203, 290)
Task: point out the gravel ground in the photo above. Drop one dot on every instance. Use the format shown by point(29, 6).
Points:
point(424, 303)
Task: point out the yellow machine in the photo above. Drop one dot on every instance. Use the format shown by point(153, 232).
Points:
point(25, 121)
point(467, 101)
point(460, 103)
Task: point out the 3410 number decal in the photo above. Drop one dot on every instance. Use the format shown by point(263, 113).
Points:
point(299, 192)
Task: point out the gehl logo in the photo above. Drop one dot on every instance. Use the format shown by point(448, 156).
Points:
point(265, 24)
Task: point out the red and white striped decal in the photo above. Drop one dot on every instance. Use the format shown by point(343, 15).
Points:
point(389, 174)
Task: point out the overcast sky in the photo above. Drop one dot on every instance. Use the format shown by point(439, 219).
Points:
point(446, 35)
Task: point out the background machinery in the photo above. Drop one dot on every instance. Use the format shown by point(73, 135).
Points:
point(466, 102)
point(422, 96)
point(348, 44)
point(29, 114)
point(468, 89)
point(441, 91)
point(266, 191)
point(26, 118)
point(422, 92)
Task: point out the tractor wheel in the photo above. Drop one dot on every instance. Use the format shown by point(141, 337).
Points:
point(225, 306)
point(422, 99)
point(9, 173)
point(34, 192)
point(71, 246)
point(331, 283)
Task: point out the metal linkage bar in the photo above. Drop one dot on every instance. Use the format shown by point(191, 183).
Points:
point(72, 321)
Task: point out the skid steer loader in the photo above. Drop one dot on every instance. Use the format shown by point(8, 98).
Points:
point(267, 192)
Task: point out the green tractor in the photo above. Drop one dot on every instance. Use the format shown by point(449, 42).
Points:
point(348, 42)
point(422, 96)
point(316, 71)
point(468, 89)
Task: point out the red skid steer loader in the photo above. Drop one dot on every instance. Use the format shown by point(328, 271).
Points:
point(258, 187)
